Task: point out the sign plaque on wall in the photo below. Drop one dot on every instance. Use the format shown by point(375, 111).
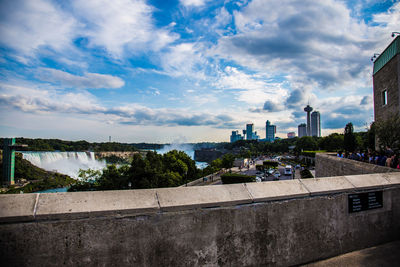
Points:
point(365, 201)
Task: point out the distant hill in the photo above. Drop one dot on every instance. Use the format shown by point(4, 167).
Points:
point(30, 178)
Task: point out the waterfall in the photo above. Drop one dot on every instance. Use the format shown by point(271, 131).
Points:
point(64, 162)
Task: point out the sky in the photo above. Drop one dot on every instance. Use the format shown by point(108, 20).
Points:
point(187, 70)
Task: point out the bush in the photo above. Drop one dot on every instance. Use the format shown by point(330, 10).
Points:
point(270, 164)
point(306, 174)
point(233, 178)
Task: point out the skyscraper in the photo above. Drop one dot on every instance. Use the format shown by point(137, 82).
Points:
point(249, 131)
point(270, 131)
point(302, 130)
point(308, 109)
point(236, 136)
point(315, 124)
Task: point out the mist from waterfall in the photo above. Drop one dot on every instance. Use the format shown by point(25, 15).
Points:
point(68, 163)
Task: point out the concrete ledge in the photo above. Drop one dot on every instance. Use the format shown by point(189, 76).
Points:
point(86, 204)
point(392, 178)
point(17, 207)
point(130, 227)
point(276, 190)
point(328, 164)
point(183, 198)
point(326, 185)
point(369, 181)
point(50, 206)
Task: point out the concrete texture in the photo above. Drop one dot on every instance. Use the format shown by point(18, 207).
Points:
point(386, 255)
point(387, 78)
point(183, 198)
point(368, 181)
point(85, 204)
point(392, 179)
point(17, 207)
point(328, 164)
point(327, 185)
point(276, 190)
point(290, 230)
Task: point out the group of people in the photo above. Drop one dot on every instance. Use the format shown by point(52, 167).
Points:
point(388, 158)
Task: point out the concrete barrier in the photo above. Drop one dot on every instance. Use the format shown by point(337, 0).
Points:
point(328, 164)
point(255, 224)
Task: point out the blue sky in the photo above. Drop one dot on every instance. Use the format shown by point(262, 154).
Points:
point(188, 70)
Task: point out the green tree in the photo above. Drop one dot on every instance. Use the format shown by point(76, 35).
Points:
point(112, 178)
point(349, 141)
point(306, 143)
point(371, 136)
point(332, 142)
point(227, 161)
point(388, 132)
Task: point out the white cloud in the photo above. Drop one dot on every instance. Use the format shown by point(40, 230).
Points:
point(316, 42)
point(26, 26)
point(89, 80)
point(117, 26)
point(252, 89)
point(39, 100)
point(193, 3)
point(35, 100)
point(185, 59)
point(121, 25)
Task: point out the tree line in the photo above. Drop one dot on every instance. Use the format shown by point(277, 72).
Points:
point(39, 144)
point(153, 170)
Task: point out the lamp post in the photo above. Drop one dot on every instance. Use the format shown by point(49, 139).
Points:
point(395, 33)
point(186, 178)
point(9, 148)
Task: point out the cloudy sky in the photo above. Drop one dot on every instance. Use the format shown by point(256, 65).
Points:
point(186, 70)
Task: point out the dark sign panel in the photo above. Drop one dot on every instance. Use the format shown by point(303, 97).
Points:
point(365, 201)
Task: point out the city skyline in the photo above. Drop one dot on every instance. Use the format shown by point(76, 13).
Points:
point(188, 70)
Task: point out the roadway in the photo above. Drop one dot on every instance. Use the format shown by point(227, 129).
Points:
point(252, 171)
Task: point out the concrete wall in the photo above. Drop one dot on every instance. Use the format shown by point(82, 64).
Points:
point(387, 78)
point(256, 224)
point(330, 165)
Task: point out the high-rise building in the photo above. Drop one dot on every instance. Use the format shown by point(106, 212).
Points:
point(308, 109)
point(270, 131)
point(249, 131)
point(291, 135)
point(236, 136)
point(302, 130)
point(315, 124)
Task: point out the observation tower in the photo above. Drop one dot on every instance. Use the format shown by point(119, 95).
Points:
point(308, 109)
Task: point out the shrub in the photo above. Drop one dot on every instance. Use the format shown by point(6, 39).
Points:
point(270, 164)
point(306, 174)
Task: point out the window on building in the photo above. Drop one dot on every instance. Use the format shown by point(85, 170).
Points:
point(384, 98)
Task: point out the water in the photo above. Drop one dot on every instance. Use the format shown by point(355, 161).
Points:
point(68, 163)
point(54, 190)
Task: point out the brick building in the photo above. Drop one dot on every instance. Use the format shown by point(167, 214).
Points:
point(386, 81)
